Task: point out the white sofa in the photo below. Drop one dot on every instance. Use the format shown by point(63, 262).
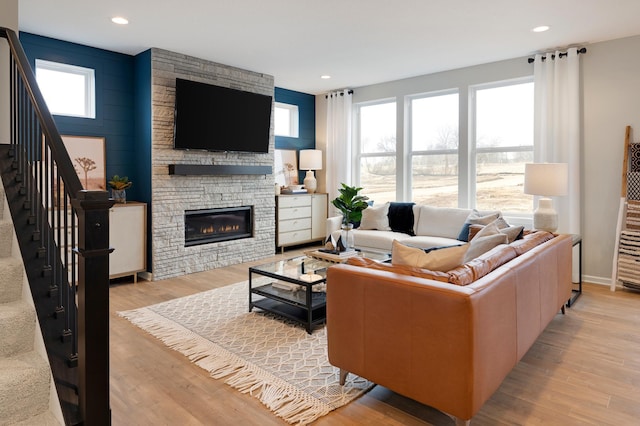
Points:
point(432, 227)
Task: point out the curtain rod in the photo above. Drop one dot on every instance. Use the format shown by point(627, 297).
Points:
point(561, 54)
point(341, 94)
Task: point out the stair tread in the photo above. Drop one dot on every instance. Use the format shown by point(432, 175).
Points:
point(24, 386)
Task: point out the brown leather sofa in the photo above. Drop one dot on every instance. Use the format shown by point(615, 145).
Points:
point(444, 345)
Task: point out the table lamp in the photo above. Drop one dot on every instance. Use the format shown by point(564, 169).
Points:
point(310, 160)
point(546, 180)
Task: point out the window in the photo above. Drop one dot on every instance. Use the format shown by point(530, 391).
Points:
point(286, 120)
point(376, 154)
point(503, 144)
point(67, 89)
point(433, 136)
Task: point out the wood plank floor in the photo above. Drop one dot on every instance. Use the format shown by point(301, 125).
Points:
point(583, 370)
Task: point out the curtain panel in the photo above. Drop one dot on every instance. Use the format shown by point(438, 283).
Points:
point(339, 156)
point(557, 126)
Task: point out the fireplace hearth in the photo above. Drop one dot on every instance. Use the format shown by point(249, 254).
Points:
point(216, 225)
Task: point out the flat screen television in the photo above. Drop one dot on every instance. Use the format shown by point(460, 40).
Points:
point(214, 118)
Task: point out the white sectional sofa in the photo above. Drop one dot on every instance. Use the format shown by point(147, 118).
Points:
point(431, 227)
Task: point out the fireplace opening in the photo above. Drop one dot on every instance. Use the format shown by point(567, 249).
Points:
point(215, 225)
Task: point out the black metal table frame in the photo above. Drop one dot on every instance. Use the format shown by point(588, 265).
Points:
point(575, 293)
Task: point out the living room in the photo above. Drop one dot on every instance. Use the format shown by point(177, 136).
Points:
point(609, 81)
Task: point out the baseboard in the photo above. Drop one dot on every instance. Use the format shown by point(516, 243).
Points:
point(147, 276)
point(597, 280)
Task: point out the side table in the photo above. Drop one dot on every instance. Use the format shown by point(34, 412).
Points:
point(575, 293)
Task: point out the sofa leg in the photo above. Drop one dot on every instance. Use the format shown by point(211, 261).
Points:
point(343, 376)
point(462, 422)
point(563, 310)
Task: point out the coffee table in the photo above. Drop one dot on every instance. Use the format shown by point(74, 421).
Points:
point(301, 303)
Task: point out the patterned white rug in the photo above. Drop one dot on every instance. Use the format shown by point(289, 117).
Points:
point(269, 357)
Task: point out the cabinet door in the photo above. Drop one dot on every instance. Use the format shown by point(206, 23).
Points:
point(318, 216)
point(127, 236)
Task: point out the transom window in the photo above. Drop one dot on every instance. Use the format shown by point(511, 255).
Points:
point(286, 120)
point(67, 89)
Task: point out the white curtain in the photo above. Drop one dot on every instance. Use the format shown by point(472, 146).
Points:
point(557, 126)
point(338, 167)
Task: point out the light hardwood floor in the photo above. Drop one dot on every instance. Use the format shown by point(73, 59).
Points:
point(583, 370)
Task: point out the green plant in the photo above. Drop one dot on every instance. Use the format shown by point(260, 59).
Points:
point(119, 183)
point(350, 204)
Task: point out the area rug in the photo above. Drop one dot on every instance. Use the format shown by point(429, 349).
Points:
point(273, 359)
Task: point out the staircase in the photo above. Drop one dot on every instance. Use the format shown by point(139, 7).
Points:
point(26, 394)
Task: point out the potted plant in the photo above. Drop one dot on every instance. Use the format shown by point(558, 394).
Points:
point(351, 204)
point(118, 186)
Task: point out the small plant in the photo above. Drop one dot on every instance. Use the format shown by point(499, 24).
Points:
point(350, 204)
point(120, 183)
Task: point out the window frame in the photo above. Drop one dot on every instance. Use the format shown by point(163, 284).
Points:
point(89, 85)
point(294, 119)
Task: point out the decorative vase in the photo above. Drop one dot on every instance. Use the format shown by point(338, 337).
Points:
point(119, 195)
point(346, 236)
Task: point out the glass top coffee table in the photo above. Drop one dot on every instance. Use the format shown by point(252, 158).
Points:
point(294, 289)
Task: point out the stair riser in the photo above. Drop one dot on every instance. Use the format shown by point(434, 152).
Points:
point(24, 389)
point(11, 279)
point(17, 328)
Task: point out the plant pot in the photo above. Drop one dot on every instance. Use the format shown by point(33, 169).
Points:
point(119, 195)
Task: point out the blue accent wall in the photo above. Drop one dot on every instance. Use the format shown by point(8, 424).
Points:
point(114, 101)
point(306, 121)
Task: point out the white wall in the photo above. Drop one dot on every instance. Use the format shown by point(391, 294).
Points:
point(611, 100)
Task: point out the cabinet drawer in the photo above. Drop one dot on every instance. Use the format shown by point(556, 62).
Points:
point(294, 200)
point(294, 224)
point(285, 238)
point(294, 213)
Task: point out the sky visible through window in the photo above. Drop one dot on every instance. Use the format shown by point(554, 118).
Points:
point(63, 92)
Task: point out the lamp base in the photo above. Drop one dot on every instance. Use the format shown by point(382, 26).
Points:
point(545, 218)
point(310, 182)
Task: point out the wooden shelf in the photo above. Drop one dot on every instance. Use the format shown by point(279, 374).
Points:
point(205, 169)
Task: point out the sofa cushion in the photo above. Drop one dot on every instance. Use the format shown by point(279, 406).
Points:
point(401, 217)
point(442, 259)
point(399, 269)
point(440, 221)
point(477, 268)
point(476, 218)
point(376, 217)
point(486, 239)
point(530, 241)
point(513, 232)
point(374, 239)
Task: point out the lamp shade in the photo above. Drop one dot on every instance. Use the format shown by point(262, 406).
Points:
point(546, 179)
point(310, 159)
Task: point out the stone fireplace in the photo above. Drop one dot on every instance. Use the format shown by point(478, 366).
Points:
point(215, 225)
point(225, 182)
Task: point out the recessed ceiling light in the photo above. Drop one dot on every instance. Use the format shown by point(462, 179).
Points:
point(119, 20)
point(325, 77)
point(541, 29)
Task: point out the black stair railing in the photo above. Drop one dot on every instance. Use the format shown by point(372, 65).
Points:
point(63, 233)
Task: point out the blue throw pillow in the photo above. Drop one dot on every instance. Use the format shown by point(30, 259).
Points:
point(401, 217)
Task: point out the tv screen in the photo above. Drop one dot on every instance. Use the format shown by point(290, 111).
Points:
point(215, 118)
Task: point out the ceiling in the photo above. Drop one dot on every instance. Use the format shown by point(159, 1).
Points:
point(356, 42)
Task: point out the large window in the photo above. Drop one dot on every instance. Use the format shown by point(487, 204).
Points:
point(286, 120)
point(474, 160)
point(376, 163)
point(434, 149)
point(67, 89)
point(503, 144)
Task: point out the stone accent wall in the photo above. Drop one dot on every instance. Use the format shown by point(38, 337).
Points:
point(172, 194)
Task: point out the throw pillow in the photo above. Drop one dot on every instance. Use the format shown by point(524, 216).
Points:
point(486, 239)
point(476, 218)
point(375, 217)
point(513, 232)
point(436, 260)
point(401, 217)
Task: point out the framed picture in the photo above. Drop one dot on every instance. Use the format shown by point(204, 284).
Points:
point(285, 168)
point(87, 155)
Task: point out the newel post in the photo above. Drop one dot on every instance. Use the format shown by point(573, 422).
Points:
point(92, 208)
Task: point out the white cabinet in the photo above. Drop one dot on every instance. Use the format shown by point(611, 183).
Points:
point(300, 219)
point(128, 237)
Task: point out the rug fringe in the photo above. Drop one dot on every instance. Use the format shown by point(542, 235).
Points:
point(284, 400)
